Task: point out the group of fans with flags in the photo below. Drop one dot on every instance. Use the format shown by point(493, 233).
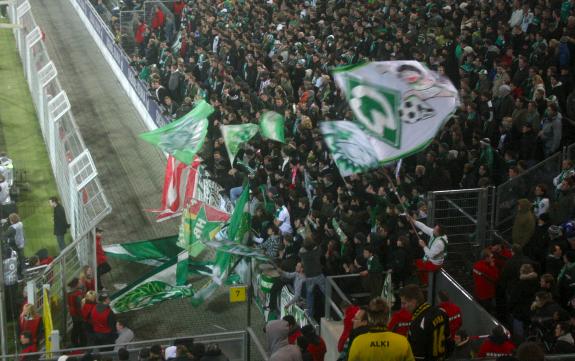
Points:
point(313, 104)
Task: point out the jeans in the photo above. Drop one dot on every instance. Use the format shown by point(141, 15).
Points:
point(235, 193)
point(310, 284)
point(61, 241)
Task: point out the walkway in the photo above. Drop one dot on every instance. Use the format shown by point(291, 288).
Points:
point(130, 171)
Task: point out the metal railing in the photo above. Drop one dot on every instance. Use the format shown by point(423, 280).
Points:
point(335, 296)
point(76, 176)
point(74, 170)
point(236, 345)
point(476, 320)
point(522, 186)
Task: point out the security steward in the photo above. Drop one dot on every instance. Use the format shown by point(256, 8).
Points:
point(103, 322)
point(429, 333)
point(378, 343)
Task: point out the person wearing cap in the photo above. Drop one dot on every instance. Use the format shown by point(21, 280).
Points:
point(103, 322)
point(103, 266)
point(378, 343)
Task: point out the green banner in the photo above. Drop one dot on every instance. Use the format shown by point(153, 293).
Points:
point(235, 135)
point(184, 137)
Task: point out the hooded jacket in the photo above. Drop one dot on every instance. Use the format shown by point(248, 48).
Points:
point(524, 224)
point(277, 339)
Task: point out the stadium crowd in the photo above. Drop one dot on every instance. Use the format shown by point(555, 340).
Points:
point(512, 63)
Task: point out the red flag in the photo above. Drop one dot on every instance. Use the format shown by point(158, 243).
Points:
point(177, 174)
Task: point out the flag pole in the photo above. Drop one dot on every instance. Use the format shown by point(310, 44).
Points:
point(405, 210)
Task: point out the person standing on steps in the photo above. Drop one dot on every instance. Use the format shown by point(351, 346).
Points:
point(60, 223)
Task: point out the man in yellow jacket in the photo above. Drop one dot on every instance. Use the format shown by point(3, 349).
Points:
point(378, 343)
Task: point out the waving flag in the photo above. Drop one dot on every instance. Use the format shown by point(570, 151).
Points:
point(237, 231)
point(272, 126)
point(234, 135)
point(200, 223)
point(154, 252)
point(399, 106)
point(180, 181)
point(184, 137)
point(157, 286)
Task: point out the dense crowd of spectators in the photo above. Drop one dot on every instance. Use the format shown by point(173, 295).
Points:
point(512, 63)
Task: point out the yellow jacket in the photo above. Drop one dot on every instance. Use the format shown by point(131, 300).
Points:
point(380, 345)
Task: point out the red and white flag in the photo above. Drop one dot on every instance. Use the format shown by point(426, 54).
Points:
point(179, 188)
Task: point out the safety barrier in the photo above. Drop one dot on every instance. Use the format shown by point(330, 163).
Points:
point(467, 217)
point(522, 186)
point(74, 171)
point(236, 345)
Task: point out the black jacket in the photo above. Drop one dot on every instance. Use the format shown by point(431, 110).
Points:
point(60, 223)
point(429, 334)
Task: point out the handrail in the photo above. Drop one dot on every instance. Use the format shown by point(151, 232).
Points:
point(456, 191)
point(330, 286)
point(252, 335)
point(134, 344)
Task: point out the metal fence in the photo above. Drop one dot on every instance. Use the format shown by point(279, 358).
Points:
point(510, 192)
point(169, 29)
point(76, 176)
point(129, 22)
point(236, 345)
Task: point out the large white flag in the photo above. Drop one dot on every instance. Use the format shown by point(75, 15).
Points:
point(398, 108)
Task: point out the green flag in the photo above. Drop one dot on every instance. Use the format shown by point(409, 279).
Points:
point(238, 229)
point(193, 232)
point(154, 252)
point(156, 286)
point(272, 126)
point(240, 221)
point(234, 135)
point(184, 137)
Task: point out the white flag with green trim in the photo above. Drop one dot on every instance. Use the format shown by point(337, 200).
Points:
point(398, 108)
point(272, 126)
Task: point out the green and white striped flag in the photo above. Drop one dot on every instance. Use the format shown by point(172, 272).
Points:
point(154, 252)
point(184, 137)
point(272, 126)
point(392, 121)
point(234, 135)
point(155, 287)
